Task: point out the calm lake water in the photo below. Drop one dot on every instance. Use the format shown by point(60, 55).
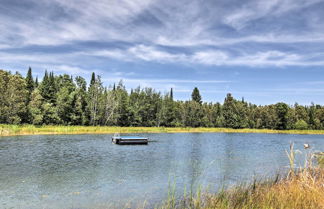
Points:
point(87, 171)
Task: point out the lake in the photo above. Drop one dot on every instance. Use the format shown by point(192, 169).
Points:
point(87, 171)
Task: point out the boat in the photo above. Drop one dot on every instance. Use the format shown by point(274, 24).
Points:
point(129, 140)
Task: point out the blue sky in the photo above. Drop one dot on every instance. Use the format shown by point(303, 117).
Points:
point(265, 51)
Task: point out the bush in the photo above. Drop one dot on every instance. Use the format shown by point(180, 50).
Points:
point(301, 125)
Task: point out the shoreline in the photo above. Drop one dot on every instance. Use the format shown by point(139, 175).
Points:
point(22, 130)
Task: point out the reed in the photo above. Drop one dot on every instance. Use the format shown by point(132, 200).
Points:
point(13, 130)
point(301, 188)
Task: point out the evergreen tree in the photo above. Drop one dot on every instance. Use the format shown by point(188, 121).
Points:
point(36, 82)
point(229, 112)
point(195, 114)
point(30, 85)
point(123, 105)
point(242, 115)
point(61, 100)
point(36, 107)
point(94, 92)
point(166, 112)
point(93, 79)
point(52, 89)
point(47, 88)
point(50, 116)
point(80, 114)
point(195, 96)
point(65, 100)
point(135, 105)
point(282, 112)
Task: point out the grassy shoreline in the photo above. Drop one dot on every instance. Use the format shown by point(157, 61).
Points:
point(16, 130)
point(301, 188)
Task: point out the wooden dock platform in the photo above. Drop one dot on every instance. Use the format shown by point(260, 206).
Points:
point(129, 140)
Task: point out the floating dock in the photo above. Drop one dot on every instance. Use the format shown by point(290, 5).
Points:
point(129, 140)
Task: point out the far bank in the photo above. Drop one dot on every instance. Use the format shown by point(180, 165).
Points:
point(15, 130)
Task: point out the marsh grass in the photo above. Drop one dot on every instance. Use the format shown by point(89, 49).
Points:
point(321, 161)
point(13, 130)
point(301, 188)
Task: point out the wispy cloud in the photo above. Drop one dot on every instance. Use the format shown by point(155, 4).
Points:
point(253, 33)
point(215, 57)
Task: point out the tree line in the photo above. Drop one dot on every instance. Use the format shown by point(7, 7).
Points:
point(64, 100)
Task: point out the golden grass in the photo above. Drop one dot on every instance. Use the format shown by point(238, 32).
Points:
point(12, 130)
point(304, 190)
point(300, 189)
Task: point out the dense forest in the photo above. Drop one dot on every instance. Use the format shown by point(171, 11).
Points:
point(62, 99)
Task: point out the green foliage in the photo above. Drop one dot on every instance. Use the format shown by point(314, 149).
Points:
point(17, 96)
point(192, 114)
point(301, 125)
point(50, 114)
point(231, 113)
point(30, 84)
point(47, 88)
point(80, 111)
point(36, 82)
point(4, 80)
point(94, 94)
point(167, 111)
point(36, 107)
point(65, 105)
point(282, 113)
point(13, 98)
point(195, 96)
point(60, 99)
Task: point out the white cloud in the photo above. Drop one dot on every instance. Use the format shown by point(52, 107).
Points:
point(254, 10)
point(149, 53)
point(116, 54)
point(210, 57)
point(194, 26)
point(70, 69)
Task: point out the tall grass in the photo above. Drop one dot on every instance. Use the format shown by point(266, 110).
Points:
point(301, 188)
point(11, 130)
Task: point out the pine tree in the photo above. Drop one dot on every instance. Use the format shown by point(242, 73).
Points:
point(94, 92)
point(282, 111)
point(36, 82)
point(36, 108)
point(93, 79)
point(80, 114)
point(231, 118)
point(48, 88)
point(30, 85)
point(195, 96)
point(123, 105)
point(43, 87)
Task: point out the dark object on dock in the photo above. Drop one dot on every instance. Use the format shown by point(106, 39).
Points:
point(129, 140)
